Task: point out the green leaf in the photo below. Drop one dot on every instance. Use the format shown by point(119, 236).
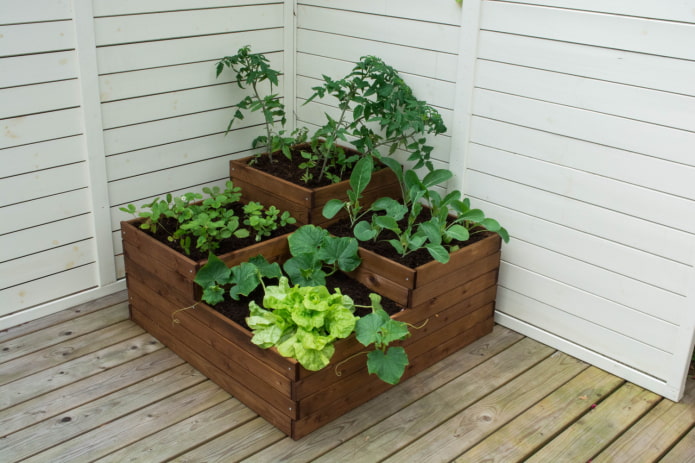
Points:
point(431, 231)
point(361, 174)
point(341, 251)
point(213, 295)
point(388, 366)
point(436, 177)
point(458, 232)
point(438, 252)
point(213, 272)
point(385, 221)
point(367, 329)
point(363, 231)
point(490, 224)
point(307, 239)
point(244, 280)
point(305, 270)
point(332, 207)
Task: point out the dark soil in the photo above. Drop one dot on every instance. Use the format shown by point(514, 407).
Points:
point(239, 310)
point(383, 248)
point(168, 226)
point(288, 169)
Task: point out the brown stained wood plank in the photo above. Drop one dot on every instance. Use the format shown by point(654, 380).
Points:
point(460, 259)
point(66, 350)
point(65, 331)
point(49, 433)
point(683, 452)
point(77, 369)
point(187, 434)
point(425, 414)
point(380, 408)
point(75, 394)
point(235, 445)
point(114, 435)
point(398, 273)
point(535, 427)
point(188, 337)
point(355, 384)
point(375, 280)
point(655, 433)
point(366, 391)
point(62, 316)
point(423, 293)
point(423, 322)
point(588, 436)
point(460, 292)
point(481, 419)
point(231, 385)
point(240, 170)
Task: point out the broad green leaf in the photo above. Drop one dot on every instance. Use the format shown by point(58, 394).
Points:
point(389, 366)
point(214, 271)
point(458, 232)
point(341, 323)
point(266, 269)
point(436, 177)
point(368, 328)
point(363, 231)
point(244, 280)
point(213, 294)
point(306, 239)
point(395, 166)
point(305, 270)
point(361, 174)
point(504, 234)
point(385, 221)
point(332, 207)
point(431, 231)
point(491, 224)
point(313, 359)
point(341, 251)
point(473, 215)
point(438, 252)
point(393, 330)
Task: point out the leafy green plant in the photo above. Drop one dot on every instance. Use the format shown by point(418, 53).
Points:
point(265, 221)
point(373, 94)
point(451, 219)
point(387, 362)
point(316, 254)
point(204, 223)
point(303, 323)
point(252, 70)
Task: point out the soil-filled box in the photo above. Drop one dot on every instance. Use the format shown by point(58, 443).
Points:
point(305, 204)
point(293, 399)
point(430, 282)
point(177, 270)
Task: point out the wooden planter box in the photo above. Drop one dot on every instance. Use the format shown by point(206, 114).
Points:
point(305, 204)
point(293, 399)
point(429, 283)
point(177, 270)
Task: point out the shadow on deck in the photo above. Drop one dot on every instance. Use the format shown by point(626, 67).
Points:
point(88, 384)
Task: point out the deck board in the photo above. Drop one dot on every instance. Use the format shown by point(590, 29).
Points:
point(89, 385)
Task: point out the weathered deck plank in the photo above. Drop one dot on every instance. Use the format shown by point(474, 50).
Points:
point(503, 398)
point(589, 435)
point(422, 416)
point(523, 436)
point(481, 419)
point(648, 440)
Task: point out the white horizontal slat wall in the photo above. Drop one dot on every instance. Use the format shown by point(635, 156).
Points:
point(581, 142)
point(103, 104)
point(419, 39)
point(47, 232)
point(164, 113)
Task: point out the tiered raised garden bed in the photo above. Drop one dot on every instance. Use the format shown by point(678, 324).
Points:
point(293, 399)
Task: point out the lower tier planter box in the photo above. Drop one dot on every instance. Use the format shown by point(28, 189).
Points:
point(305, 204)
point(432, 282)
point(293, 399)
point(176, 270)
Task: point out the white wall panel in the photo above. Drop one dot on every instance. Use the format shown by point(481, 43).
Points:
point(580, 143)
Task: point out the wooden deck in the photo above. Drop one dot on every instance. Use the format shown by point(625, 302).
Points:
point(87, 384)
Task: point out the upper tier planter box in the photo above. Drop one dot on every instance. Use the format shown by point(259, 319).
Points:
point(176, 270)
point(305, 204)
